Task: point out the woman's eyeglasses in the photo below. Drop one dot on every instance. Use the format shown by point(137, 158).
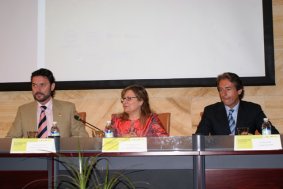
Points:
point(128, 98)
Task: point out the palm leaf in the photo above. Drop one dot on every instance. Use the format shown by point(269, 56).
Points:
point(86, 173)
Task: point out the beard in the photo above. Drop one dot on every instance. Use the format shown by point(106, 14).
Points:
point(40, 97)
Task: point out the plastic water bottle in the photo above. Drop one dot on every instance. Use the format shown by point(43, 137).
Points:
point(55, 130)
point(109, 130)
point(55, 133)
point(266, 127)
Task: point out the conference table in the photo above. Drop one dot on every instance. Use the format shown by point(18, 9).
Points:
point(199, 162)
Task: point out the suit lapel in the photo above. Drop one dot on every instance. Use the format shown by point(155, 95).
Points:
point(224, 118)
point(241, 115)
point(33, 113)
point(56, 111)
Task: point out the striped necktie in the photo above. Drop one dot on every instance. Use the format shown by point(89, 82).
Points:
point(42, 125)
point(231, 121)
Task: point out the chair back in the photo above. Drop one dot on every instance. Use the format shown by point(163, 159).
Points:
point(165, 120)
point(82, 115)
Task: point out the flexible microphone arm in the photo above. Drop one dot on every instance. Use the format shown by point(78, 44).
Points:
point(77, 117)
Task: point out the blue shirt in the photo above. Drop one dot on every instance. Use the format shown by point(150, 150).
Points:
point(235, 113)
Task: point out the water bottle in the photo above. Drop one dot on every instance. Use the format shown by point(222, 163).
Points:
point(55, 133)
point(109, 130)
point(266, 127)
point(55, 130)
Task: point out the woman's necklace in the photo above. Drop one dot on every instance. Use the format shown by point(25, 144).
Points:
point(132, 131)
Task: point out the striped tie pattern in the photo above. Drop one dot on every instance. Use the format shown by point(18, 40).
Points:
point(42, 125)
point(231, 121)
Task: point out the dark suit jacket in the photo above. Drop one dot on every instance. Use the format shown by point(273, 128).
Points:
point(214, 120)
point(63, 113)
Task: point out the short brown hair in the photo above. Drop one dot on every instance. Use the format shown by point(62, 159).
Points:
point(234, 78)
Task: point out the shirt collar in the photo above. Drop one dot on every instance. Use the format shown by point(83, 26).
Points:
point(235, 108)
point(48, 104)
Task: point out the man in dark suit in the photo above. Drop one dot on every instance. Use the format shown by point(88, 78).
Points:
point(62, 112)
point(216, 119)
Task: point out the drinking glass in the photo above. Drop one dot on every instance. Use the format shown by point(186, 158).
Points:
point(243, 130)
point(98, 134)
point(32, 134)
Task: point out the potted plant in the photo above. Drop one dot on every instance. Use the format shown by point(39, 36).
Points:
point(87, 173)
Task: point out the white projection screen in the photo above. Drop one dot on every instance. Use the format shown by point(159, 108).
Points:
point(91, 44)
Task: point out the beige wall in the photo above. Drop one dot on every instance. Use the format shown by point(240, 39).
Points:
point(185, 104)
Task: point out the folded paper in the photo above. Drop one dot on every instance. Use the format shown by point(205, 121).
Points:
point(135, 144)
point(257, 142)
point(32, 145)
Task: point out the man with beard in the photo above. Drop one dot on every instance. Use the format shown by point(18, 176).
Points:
point(223, 118)
point(29, 116)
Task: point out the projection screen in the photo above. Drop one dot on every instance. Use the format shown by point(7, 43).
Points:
point(92, 44)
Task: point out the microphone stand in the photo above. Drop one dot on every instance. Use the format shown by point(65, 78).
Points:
point(96, 130)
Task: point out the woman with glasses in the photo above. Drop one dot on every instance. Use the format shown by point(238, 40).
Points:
point(137, 119)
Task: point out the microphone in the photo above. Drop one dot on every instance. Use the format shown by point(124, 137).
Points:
point(77, 117)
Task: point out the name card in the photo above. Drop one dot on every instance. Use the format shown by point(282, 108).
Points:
point(32, 145)
point(257, 142)
point(135, 144)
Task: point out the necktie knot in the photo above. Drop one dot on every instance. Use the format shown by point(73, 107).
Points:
point(231, 111)
point(43, 108)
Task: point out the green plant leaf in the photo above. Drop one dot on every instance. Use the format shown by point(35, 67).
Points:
point(88, 174)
